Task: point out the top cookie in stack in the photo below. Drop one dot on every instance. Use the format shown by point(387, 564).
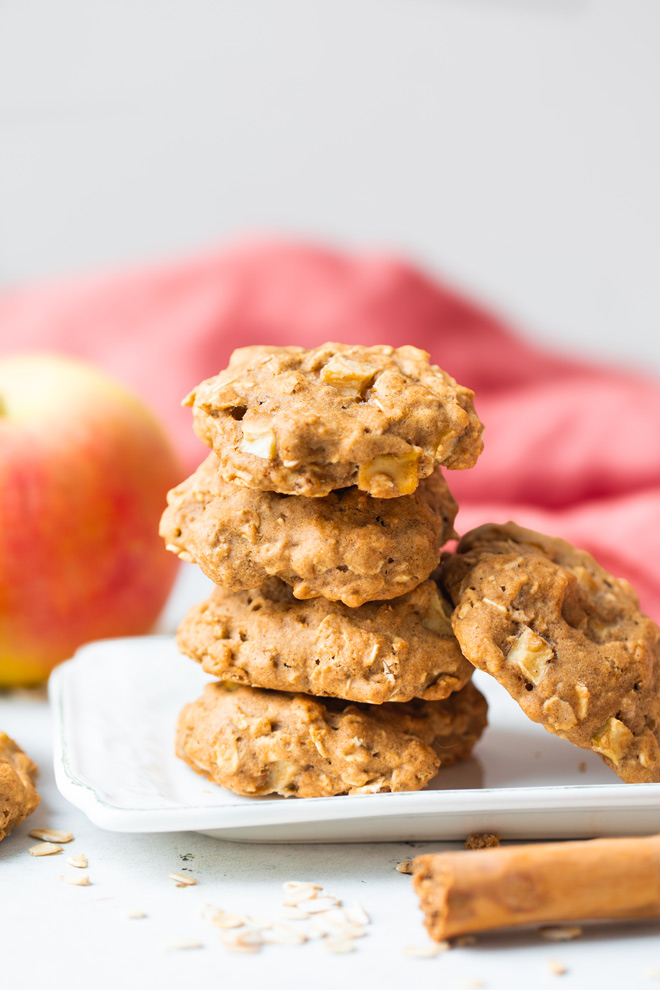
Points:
point(358, 434)
point(306, 422)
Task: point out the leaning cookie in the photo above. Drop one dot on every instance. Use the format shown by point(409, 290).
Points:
point(347, 546)
point(565, 638)
point(379, 652)
point(18, 796)
point(305, 422)
point(259, 742)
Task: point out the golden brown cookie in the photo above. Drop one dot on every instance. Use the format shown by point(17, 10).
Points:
point(18, 796)
point(566, 639)
point(267, 742)
point(347, 546)
point(302, 422)
point(381, 651)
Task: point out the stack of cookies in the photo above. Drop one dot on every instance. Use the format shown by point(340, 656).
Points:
point(320, 516)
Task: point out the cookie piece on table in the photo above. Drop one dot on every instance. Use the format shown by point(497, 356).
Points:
point(382, 651)
point(305, 422)
point(259, 742)
point(347, 546)
point(566, 639)
point(18, 796)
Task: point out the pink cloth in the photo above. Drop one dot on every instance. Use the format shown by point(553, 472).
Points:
point(571, 448)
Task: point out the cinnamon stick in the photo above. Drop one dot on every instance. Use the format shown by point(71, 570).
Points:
point(465, 892)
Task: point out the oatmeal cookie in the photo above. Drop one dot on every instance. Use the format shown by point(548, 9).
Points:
point(18, 796)
point(566, 639)
point(346, 547)
point(381, 651)
point(268, 742)
point(305, 422)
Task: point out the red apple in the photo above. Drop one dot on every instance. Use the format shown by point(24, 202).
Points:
point(84, 469)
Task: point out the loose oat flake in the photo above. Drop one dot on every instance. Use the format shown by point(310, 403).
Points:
point(184, 943)
point(45, 849)
point(406, 866)
point(556, 968)
point(76, 879)
point(133, 912)
point(51, 835)
point(79, 861)
point(427, 951)
point(338, 944)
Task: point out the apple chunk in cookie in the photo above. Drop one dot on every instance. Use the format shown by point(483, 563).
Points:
point(565, 638)
point(306, 422)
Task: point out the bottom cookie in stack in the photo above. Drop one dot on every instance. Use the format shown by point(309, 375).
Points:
point(258, 742)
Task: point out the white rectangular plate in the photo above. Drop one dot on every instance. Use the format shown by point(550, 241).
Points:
point(115, 707)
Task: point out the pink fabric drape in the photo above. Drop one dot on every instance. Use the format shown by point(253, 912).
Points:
point(572, 448)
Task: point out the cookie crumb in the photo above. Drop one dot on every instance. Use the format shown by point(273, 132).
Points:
point(556, 968)
point(182, 880)
point(482, 840)
point(582, 766)
point(560, 933)
point(406, 867)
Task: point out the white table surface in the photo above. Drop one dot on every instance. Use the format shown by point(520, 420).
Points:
point(53, 935)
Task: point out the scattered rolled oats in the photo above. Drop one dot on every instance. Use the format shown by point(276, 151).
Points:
point(225, 919)
point(248, 942)
point(322, 904)
point(76, 879)
point(182, 879)
point(133, 912)
point(51, 835)
point(295, 892)
point(79, 861)
point(45, 849)
point(560, 933)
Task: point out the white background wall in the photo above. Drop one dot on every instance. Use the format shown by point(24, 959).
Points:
point(510, 144)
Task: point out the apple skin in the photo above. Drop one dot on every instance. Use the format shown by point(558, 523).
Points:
point(84, 470)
